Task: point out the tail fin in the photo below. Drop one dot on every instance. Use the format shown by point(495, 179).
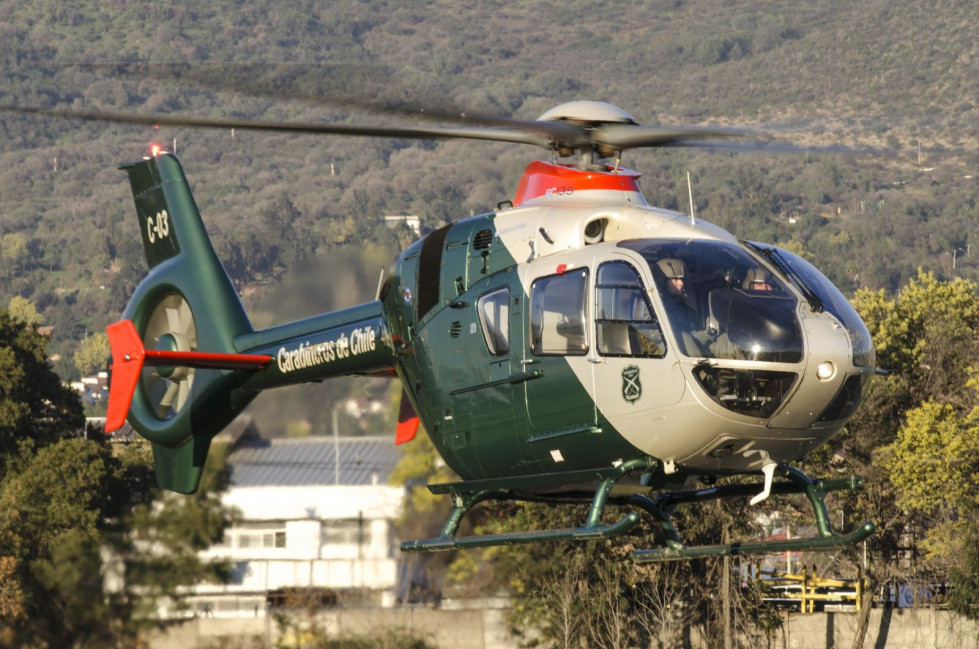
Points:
point(185, 303)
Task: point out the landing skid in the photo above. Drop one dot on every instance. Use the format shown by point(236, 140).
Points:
point(466, 495)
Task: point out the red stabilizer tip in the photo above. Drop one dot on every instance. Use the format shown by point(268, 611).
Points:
point(128, 354)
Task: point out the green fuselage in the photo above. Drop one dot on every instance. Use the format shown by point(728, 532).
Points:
point(489, 414)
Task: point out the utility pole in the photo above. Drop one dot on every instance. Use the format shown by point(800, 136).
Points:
point(336, 444)
point(726, 592)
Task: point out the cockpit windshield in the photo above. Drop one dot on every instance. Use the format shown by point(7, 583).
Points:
point(721, 302)
point(823, 295)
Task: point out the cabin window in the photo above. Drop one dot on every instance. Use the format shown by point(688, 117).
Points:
point(624, 321)
point(557, 307)
point(494, 316)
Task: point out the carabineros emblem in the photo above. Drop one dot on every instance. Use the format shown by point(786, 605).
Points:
point(631, 386)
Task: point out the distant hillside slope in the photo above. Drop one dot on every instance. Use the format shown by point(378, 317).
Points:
point(911, 62)
point(898, 74)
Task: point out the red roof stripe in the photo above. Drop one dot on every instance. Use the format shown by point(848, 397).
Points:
point(547, 179)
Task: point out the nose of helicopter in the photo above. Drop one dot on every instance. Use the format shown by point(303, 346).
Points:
point(826, 370)
point(825, 390)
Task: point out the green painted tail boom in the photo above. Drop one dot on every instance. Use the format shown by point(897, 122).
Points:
point(187, 307)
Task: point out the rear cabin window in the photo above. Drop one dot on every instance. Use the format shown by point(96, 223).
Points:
point(557, 321)
point(494, 316)
point(624, 321)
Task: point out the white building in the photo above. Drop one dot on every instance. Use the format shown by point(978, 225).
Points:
point(316, 520)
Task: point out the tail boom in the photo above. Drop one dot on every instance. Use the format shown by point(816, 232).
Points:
point(210, 362)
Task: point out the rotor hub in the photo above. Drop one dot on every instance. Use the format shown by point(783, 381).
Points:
point(172, 342)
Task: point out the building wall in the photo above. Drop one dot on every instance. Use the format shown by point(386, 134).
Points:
point(336, 537)
point(484, 627)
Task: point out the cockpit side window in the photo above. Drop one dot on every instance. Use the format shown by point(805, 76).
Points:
point(624, 321)
point(557, 321)
point(494, 316)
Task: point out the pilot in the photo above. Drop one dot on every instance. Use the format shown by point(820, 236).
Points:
point(688, 326)
point(675, 272)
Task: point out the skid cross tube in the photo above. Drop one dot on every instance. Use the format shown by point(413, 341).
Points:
point(466, 495)
point(662, 506)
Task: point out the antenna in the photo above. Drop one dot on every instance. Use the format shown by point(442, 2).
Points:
point(693, 215)
point(380, 285)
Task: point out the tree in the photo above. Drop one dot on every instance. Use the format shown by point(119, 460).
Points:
point(34, 405)
point(13, 252)
point(49, 532)
point(933, 464)
point(67, 502)
point(593, 590)
point(93, 354)
point(927, 334)
point(20, 308)
point(926, 337)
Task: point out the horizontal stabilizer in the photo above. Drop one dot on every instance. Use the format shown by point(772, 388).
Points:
point(129, 355)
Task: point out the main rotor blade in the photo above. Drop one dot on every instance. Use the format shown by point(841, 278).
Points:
point(553, 135)
point(631, 136)
point(340, 85)
point(537, 133)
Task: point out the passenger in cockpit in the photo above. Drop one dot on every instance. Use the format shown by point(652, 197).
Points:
point(758, 281)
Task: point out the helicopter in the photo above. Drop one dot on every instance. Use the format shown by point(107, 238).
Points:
point(573, 345)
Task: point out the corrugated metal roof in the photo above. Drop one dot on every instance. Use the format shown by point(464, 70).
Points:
point(311, 461)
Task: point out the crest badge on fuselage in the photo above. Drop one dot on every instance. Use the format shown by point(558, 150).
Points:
point(631, 385)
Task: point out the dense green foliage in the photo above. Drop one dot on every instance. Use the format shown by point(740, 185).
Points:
point(924, 459)
point(915, 440)
point(33, 402)
point(88, 545)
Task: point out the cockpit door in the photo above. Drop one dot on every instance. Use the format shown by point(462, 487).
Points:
point(634, 367)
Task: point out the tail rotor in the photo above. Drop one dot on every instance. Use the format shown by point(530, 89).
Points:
point(169, 327)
